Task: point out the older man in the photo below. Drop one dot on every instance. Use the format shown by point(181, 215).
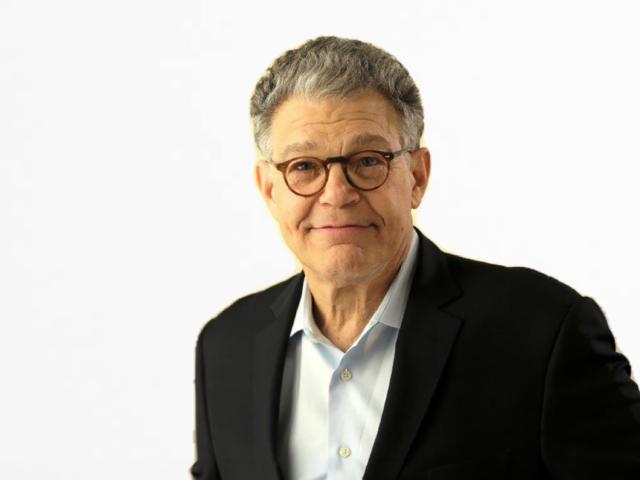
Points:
point(385, 357)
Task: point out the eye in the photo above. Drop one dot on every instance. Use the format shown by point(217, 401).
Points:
point(368, 161)
point(304, 168)
point(304, 165)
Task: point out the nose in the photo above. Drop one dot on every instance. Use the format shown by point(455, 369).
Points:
point(338, 191)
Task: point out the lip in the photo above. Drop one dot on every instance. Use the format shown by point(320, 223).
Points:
point(342, 231)
point(348, 225)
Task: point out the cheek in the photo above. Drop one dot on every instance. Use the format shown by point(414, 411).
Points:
point(293, 212)
point(395, 206)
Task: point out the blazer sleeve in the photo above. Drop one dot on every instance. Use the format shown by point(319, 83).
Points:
point(205, 467)
point(591, 411)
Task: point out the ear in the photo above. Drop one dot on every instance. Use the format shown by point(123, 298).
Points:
point(420, 171)
point(264, 182)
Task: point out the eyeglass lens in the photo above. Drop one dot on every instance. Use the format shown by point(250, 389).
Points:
point(366, 170)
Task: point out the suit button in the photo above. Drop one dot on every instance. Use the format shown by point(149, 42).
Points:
point(346, 375)
point(344, 452)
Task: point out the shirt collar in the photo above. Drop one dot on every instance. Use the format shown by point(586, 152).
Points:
point(389, 312)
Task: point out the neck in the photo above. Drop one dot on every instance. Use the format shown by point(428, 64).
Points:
point(342, 311)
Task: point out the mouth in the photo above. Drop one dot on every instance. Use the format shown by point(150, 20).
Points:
point(342, 231)
point(349, 225)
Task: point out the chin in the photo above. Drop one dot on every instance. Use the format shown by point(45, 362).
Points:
point(343, 269)
point(342, 279)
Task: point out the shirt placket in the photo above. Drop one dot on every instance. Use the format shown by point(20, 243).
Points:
point(344, 425)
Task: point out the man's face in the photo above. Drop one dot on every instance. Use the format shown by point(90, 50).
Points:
point(310, 225)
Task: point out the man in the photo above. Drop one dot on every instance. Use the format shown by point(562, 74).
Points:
point(385, 357)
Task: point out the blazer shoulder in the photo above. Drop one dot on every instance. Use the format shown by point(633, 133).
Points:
point(241, 315)
point(516, 282)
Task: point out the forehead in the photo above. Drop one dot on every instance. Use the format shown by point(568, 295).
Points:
point(305, 125)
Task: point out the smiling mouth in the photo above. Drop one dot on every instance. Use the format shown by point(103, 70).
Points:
point(342, 231)
point(344, 226)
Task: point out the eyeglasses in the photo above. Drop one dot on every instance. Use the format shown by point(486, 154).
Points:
point(366, 170)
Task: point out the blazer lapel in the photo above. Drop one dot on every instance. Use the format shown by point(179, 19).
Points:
point(424, 342)
point(270, 349)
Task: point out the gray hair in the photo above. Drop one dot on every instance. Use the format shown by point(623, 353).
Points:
point(335, 67)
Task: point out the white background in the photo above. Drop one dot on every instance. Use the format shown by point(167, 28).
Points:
point(129, 216)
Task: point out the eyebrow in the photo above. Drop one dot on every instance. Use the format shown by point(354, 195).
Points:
point(299, 147)
point(362, 140)
point(367, 139)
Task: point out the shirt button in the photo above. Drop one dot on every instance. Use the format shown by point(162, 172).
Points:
point(344, 452)
point(346, 375)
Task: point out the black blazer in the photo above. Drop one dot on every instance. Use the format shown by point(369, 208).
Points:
point(499, 373)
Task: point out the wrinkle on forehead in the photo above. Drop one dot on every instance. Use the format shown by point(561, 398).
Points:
point(305, 125)
point(360, 141)
point(363, 116)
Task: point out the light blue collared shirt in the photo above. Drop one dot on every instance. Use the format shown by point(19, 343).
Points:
point(331, 401)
